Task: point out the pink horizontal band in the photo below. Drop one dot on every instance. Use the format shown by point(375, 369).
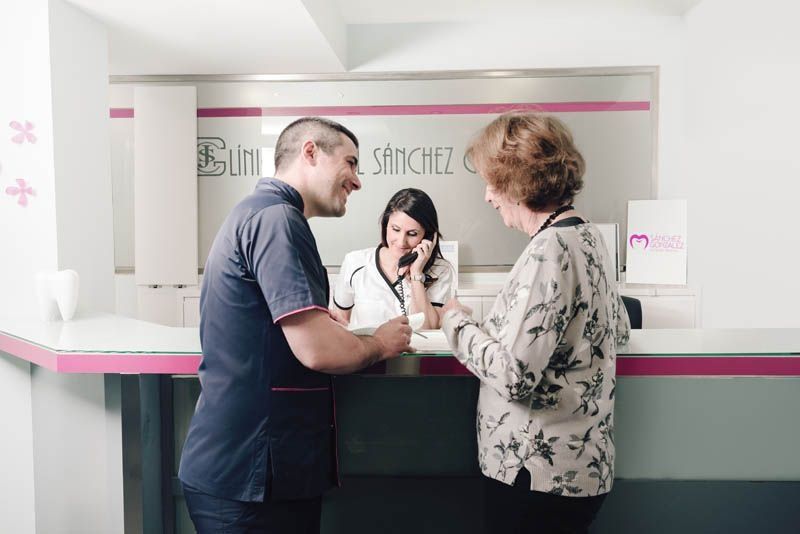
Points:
point(112, 362)
point(708, 366)
point(121, 113)
point(296, 390)
point(763, 366)
point(178, 364)
point(29, 351)
point(294, 312)
point(416, 109)
point(140, 363)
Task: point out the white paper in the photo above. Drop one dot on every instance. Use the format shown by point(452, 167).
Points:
point(656, 242)
point(415, 321)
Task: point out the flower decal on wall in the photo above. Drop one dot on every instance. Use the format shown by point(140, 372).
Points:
point(25, 132)
point(23, 190)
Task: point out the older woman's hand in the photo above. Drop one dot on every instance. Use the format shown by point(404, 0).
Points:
point(454, 304)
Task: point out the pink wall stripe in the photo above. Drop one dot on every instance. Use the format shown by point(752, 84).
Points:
point(230, 112)
point(432, 109)
point(121, 113)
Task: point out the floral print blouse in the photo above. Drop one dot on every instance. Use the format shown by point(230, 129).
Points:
point(546, 359)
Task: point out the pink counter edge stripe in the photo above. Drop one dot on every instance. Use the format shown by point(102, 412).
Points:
point(418, 109)
point(708, 366)
point(75, 362)
point(682, 366)
point(82, 362)
point(29, 351)
point(178, 364)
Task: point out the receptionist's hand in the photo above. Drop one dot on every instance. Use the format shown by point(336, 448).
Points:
point(424, 251)
point(340, 317)
point(394, 337)
point(454, 304)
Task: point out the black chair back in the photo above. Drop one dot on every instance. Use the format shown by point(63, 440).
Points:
point(634, 309)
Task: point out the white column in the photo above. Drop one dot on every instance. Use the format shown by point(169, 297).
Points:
point(55, 213)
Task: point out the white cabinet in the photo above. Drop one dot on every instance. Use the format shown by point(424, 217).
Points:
point(661, 308)
point(668, 311)
point(188, 306)
point(191, 311)
point(165, 185)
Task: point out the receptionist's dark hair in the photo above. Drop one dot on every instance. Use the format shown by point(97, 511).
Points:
point(418, 205)
point(324, 132)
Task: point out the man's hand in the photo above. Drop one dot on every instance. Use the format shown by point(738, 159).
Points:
point(323, 345)
point(393, 337)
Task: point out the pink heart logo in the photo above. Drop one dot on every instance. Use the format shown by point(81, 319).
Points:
point(639, 241)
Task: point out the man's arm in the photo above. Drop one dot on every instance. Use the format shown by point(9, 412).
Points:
point(322, 345)
point(339, 315)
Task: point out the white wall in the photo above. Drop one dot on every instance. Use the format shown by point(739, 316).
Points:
point(54, 75)
point(727, 133)
point(79, 77)
point(743, 82)
point(17, 512)
point(27, 238)
point(544, 43)
point(27, 234)
point(77, 454)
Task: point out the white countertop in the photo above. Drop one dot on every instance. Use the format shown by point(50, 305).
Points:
point(104, 343)
point(681, 342)
point(102, 332)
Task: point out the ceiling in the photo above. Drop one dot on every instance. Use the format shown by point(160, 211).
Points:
point(297, 36)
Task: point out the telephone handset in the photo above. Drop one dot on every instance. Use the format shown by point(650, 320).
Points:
point(411, 257)
point(407, 259)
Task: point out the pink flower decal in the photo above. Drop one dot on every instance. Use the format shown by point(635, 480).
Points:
point(25, 133)
point(23, 190)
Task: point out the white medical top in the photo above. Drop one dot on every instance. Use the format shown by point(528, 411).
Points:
point(363, 288)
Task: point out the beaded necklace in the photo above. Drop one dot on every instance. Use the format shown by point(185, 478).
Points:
point(552, 217)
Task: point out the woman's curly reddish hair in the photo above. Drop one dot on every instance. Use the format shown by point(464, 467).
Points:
point(529, 157)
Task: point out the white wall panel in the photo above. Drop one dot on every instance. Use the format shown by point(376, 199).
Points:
point(165, 185)
point(413, 133)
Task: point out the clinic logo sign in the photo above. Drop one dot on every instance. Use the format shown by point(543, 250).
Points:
point(639, 241)
point(657, 242)
point(208, 163)
point(216, 158)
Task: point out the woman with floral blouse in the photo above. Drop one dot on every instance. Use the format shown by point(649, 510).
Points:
point(546, 353)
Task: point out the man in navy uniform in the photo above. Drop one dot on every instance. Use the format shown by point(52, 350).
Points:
point(261, 445)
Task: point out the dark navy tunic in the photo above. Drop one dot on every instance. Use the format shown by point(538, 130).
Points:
point(264, 424)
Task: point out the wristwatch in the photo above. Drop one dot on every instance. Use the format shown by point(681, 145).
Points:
point(417, 278)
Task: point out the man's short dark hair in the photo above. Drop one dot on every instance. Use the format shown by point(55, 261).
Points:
point(324, 133)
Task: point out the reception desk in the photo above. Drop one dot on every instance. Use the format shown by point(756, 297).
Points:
point(706, 427)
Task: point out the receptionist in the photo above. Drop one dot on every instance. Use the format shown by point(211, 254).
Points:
point(405, 274)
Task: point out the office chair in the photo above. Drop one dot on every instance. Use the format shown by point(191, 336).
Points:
point(634, 309)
